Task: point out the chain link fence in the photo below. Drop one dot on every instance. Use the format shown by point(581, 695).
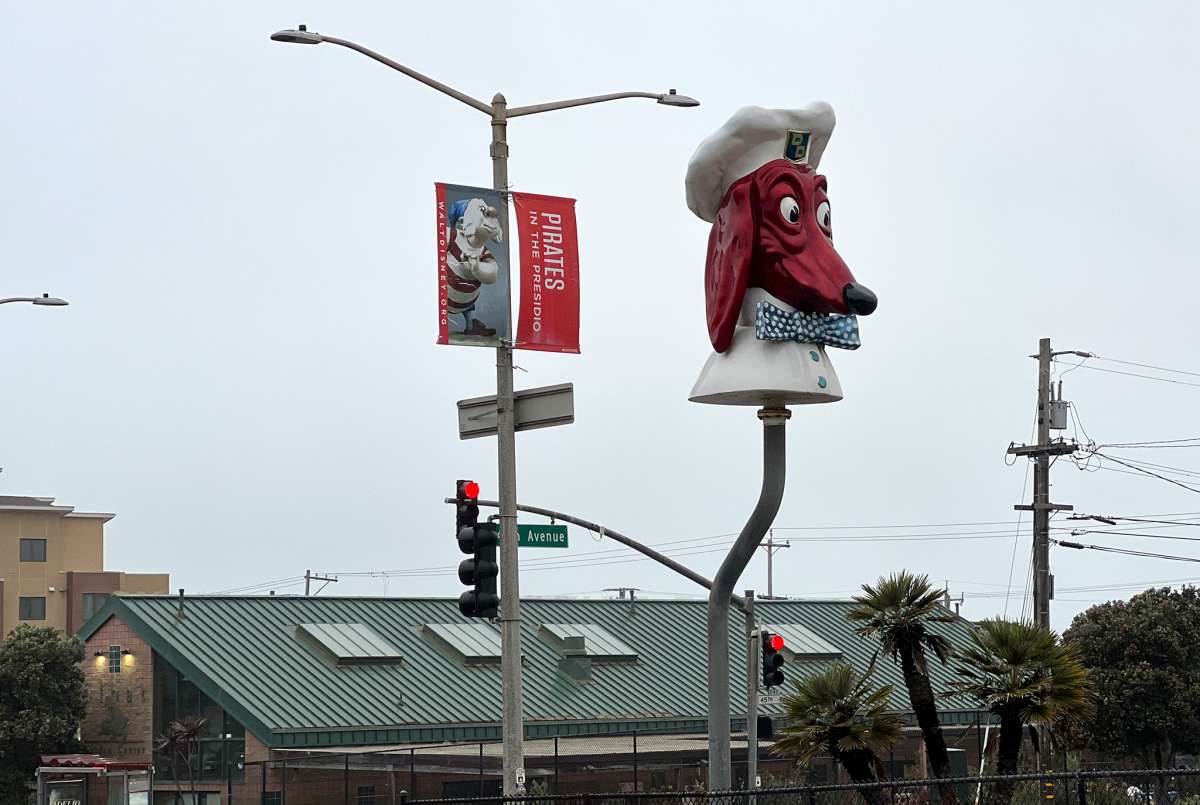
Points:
point(1125, 787)
point(642, 769)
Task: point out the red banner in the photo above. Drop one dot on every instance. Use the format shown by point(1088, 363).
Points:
point(549, 316)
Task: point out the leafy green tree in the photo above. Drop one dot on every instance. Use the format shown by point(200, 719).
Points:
point(42, 701)
point(1144, 661)
point(1024, 674)
point(841, 712)
point(898, 610)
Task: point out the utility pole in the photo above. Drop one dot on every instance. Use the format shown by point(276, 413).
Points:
point(310, 577)
point(771, 545)
point(1040, 452)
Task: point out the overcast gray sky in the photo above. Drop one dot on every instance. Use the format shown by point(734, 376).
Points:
point(247, 372)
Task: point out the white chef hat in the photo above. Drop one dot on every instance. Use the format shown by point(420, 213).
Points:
point(750, 139)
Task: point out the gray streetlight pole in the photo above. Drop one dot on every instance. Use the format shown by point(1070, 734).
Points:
point(45, 300)
point(506, 448)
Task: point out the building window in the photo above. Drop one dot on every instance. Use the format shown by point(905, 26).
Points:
point(33, 550)
point(272, 798)
point(366, 795)
point(32, 608)
point(221, 742)
point(92, 603)
point(114, 659)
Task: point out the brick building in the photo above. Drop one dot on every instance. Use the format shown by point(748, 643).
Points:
point(314, 699)
point(52, 565)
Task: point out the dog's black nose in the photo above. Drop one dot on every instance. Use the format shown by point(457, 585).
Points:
point(860, 299)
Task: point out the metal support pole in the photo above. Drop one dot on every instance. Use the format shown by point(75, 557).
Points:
point(774, 450)
point(616, 536)
point(346, 778)
point(635, 763)
point(412, 771)
point(557, 790)
point(506, 451)
point(753, 655)
point(480, 786)
point(283, 784)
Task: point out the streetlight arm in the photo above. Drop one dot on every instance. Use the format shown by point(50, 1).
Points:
point(517, 111)
point(424, 79)
point(17, 299)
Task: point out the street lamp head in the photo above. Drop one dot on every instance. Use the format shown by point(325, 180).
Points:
point(673, 98)
point(298, 36)
point(51, 301)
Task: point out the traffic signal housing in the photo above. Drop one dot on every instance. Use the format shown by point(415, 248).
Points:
point(479, 541)
point(772, 659)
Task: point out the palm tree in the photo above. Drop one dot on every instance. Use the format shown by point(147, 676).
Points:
point(898, 610)
point(840, 712)
point(181, 742)
point(1024, 674)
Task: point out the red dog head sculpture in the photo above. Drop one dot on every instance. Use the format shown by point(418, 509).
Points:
point(773, 232)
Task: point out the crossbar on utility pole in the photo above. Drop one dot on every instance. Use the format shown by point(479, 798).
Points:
point(310, 577)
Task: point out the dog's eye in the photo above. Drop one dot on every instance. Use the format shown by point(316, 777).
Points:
point(823, 217)
point(789, 209)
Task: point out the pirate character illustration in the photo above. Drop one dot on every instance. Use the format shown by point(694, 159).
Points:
point(471, 224)
point(776, 291)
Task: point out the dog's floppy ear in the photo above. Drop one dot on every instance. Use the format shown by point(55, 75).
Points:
point(727, 270)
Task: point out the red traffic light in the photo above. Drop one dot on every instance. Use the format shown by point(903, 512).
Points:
point(776, 642)
point(470, 490)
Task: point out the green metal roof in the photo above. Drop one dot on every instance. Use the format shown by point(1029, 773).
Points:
point(244, 652)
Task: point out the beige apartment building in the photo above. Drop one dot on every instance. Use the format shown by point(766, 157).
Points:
point(52, 565)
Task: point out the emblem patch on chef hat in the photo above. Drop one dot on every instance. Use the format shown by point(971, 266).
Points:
point(796, 149)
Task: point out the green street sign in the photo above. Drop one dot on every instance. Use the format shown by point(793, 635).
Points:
point(541, 536)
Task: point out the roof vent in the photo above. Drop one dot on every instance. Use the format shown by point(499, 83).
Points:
point(597, 643)
point(575, 661)
point(801, 644)
point(472, 642)
point(350, 643)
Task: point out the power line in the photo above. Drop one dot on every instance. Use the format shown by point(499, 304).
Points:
point(1156, 444)
point(1147, 472)
point(1135, 374)
point(696, 546)
point(1012, 562)
point(264, 584)
point(1125, 551)
point(1078, 532)
point(1148, 366)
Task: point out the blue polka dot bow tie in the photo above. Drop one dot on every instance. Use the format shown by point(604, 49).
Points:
point(831, 329)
